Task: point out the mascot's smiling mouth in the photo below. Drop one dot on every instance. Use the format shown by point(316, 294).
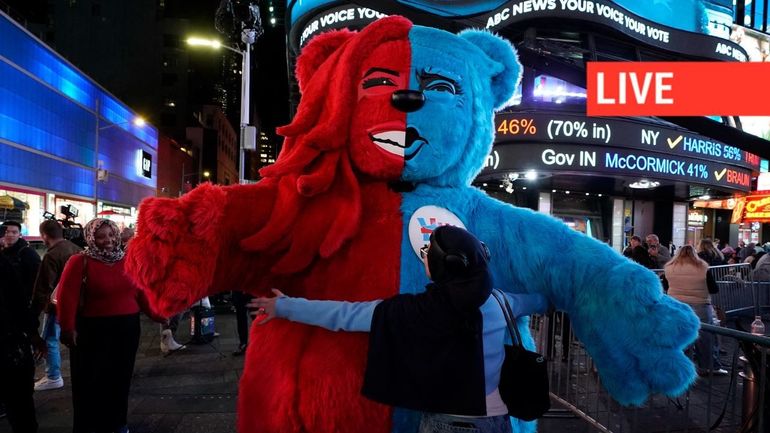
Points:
point(396, 142)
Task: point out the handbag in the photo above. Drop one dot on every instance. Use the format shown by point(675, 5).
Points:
point(523, 384)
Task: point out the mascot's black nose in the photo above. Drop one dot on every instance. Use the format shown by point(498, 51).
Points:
point(407, 100)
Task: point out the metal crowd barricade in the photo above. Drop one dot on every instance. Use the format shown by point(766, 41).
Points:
point(738, 292)
point(736, 403)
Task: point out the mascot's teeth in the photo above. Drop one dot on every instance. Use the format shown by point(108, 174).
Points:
point(391, 141)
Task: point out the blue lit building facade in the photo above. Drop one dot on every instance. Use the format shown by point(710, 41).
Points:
point(64, 139)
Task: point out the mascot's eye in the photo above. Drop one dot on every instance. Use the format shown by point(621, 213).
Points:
point(441, 86)
point(379, 81)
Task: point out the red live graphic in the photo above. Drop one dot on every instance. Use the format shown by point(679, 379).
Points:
point(678, 89)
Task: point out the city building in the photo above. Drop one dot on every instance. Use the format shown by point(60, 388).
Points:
point(65, 140)
point(137, 50)
point(608, 177)
point(218, 143)
point(177, 168)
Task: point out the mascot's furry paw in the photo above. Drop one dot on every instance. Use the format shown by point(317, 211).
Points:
point(176, 246)
point(637, 337)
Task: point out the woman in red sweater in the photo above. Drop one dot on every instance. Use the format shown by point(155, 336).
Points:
point(99, 316)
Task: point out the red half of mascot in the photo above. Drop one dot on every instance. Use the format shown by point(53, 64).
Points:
point(319, 225)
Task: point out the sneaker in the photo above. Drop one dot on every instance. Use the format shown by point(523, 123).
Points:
point(45, 384)
point(167, 342)
point(719, 372)
point(240, 351)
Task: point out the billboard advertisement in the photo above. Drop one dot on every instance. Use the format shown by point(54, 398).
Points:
point(310, 18)
point(711, 17)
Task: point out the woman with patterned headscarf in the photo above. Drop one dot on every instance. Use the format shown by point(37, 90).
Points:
point(99, 316)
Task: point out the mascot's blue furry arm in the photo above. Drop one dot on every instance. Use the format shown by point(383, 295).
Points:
point(635, 332)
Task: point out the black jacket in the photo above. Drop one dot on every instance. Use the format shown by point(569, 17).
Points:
point(24, 262)
point(15, 316)
point(50, 271)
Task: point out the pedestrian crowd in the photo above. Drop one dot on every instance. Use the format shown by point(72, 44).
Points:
point(686, 277)
point(83, 299)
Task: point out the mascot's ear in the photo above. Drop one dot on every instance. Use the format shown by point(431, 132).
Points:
point(506, 69)
point(317, 51)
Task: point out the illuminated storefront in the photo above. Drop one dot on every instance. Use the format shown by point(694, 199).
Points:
point(64, 139)
point(29, 210)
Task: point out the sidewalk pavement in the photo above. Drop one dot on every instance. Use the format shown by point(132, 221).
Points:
point(192, 390)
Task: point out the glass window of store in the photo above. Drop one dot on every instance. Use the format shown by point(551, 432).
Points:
point(749, 232)
point(85, 209)
point(120, 215)
point(696, 219)
point(30, 215)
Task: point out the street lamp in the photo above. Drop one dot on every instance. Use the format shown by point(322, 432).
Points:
point(101, 174)
point(205, 174)
point(248, 37)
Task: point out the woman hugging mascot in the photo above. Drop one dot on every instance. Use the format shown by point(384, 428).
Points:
point(394, 123)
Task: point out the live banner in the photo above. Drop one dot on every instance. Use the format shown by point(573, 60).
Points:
point(678, 89)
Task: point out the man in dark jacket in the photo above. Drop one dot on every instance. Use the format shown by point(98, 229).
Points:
point(59, 251)
point(636, 252)
point(658, 253)
point(17, 367)
point(23, 258)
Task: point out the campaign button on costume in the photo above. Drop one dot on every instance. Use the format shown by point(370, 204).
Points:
point(424, 220)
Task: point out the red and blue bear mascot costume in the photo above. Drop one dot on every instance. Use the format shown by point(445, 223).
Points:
point(394, 123)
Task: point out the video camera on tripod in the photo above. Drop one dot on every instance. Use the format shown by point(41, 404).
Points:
point(73, 231)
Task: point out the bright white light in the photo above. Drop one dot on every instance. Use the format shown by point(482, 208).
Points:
point(484, 184)
point(524, 187)
point(705, 197)
point(531, 175)
point(139, 121)
point(566, 192)
point(513, 176)
point(183, 149)
point(586, 193)
point(553, 190)
point(599, 195)
point(271, 9)
point(644, 184)
point(557, 93)
point(272, 20)
point(200, 42)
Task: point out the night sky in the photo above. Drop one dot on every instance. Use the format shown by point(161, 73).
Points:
point(269, 76)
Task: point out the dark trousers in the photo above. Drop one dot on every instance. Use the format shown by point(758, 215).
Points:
point(102, 365)
point(240, 300)
point(17, 382)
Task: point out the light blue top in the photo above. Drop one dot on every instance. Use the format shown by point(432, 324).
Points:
point(357, 317)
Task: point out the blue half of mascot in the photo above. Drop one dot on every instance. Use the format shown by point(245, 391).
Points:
point(635, 333)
